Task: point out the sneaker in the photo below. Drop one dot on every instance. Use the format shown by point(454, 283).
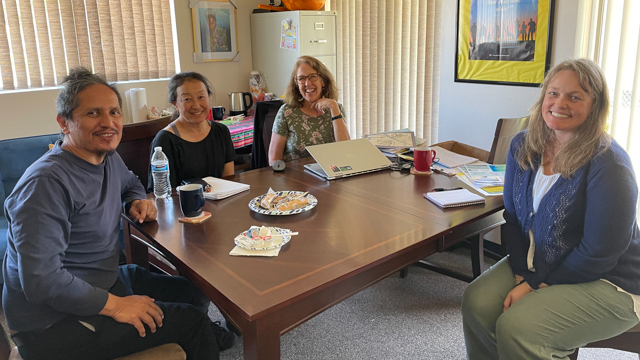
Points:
point(226, 339)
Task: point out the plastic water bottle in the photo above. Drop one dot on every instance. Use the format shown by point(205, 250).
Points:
point(160, 172)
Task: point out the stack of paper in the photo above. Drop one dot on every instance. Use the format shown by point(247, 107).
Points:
point(485, 175)
point(489, 187)
point(401, 139)
point(450, 159)
point(221, 188)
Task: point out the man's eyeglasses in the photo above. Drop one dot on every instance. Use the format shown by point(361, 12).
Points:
point(303, 79)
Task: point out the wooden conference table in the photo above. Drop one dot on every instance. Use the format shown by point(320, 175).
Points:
point(363, 229)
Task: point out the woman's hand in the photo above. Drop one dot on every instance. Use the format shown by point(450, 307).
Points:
point(516, 294)
point(324, 104)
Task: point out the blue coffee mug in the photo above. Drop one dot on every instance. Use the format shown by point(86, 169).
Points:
point(191, 199)
point(217, 112)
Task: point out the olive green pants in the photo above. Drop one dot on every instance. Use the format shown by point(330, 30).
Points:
point(548, 323)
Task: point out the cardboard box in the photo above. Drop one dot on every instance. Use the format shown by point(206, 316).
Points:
point(464, 149)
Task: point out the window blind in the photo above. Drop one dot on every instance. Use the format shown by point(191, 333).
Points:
point(121, 39)
point(388, 64)
point(609, 34)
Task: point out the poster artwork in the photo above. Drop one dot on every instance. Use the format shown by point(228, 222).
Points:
point(503, 30)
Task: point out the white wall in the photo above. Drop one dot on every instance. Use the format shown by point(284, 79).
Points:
point(33, 112)
point(469, 112)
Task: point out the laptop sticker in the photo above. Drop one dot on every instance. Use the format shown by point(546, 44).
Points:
point(334, 168)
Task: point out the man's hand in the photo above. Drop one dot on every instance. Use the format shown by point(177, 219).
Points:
point(516, 294)
point(143, 210)
point(135, 310)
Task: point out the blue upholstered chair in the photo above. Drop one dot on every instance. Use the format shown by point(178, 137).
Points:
point(16, 155)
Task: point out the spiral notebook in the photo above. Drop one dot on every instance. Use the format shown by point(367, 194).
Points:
point(221, 188)
point(454, 198)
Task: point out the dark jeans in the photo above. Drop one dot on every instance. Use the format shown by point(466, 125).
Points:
point(184, 323)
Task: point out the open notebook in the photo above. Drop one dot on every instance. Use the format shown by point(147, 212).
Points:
point(454, 198)
point(223, 188)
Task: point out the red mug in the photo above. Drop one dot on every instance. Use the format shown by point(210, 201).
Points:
point(423, 158)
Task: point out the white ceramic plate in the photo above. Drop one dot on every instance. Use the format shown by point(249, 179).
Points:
point(278, 241)
point(255, 204)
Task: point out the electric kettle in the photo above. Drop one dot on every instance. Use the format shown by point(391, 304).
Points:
point(239, 104)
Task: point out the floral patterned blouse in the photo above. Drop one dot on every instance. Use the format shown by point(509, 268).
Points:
point(302, 130)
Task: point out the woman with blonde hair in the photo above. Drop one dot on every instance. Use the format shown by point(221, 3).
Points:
point(311, 114)
point(572, 275)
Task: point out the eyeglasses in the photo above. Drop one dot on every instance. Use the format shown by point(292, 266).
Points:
point(303, 79)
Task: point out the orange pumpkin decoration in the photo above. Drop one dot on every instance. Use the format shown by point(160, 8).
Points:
point(303, 4)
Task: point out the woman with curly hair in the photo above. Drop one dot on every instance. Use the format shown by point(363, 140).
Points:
point(310, 116)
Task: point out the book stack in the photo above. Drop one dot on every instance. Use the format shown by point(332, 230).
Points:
point(487, 179)
point(393, 143)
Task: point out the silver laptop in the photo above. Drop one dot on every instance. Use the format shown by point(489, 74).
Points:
point(346, 158)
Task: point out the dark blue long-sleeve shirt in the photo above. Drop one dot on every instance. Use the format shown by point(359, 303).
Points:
point(62, 254)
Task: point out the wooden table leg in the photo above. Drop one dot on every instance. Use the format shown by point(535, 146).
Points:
point(477, 254)
point(261, 341)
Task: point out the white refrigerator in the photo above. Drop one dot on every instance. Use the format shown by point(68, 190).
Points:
point(315, 35)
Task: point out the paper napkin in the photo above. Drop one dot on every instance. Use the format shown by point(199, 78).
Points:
point(238, 251)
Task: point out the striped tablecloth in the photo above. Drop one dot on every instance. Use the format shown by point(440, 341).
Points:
point(241, 132)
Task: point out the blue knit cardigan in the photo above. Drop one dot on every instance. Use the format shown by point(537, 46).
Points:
point(585, 228)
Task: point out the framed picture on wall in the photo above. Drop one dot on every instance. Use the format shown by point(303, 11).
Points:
point(215, 30)
point(504, 42)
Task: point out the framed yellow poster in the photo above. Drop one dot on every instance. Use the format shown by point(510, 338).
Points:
point(504, 41)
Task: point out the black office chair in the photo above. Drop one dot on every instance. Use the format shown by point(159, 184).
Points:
point(263, 119)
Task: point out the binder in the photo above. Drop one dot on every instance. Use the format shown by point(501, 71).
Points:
point(454, 198)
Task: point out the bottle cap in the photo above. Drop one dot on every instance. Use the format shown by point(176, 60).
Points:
point(157, 148)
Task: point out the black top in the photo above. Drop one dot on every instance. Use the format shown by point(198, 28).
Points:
point(188, 160)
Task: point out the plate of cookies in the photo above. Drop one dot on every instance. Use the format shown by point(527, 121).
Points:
point(283, 202)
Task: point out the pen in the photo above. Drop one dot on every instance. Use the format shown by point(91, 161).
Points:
point(445, 189)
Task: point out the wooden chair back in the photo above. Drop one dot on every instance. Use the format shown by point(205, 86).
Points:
point(135, 143)
point(627, 341)
point(505, 131)
point(171, 351)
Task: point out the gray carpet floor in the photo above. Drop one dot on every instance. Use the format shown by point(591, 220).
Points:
point(417, 317)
